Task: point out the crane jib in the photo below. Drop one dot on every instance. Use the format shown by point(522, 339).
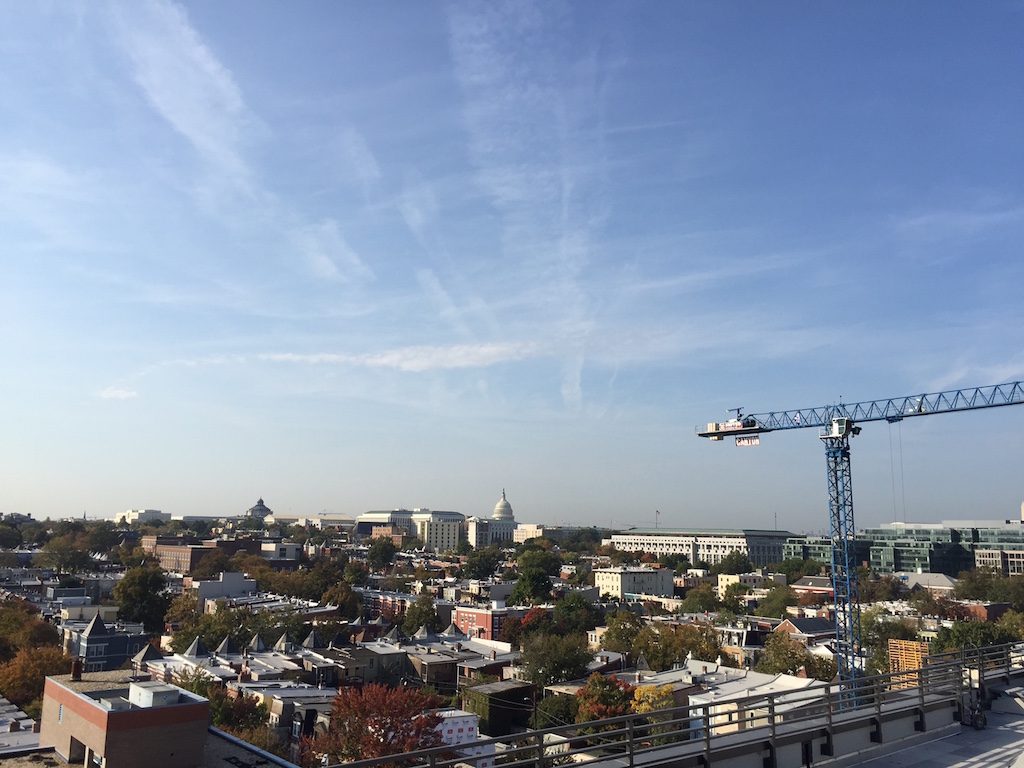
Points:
point(890, 409)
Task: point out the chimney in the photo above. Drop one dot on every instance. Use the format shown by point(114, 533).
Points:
point(76, 668)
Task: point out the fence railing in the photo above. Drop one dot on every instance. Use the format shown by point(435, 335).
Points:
point(711, 725)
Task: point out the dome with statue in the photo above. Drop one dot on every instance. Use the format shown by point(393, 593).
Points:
point(502, 510)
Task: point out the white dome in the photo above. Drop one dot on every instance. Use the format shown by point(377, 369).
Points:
point(502, 510)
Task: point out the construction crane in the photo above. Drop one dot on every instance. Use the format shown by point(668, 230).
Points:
point(837, 424)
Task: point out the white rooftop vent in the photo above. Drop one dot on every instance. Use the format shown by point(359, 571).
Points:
point(116, 703)
point(152, 694)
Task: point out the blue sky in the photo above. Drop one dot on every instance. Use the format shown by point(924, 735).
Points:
point(351, 256)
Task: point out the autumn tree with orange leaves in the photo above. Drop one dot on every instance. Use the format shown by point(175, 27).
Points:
point(603, 697)
point(375, 722)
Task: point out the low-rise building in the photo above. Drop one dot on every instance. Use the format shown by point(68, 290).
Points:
point(103, 719)
point(101, 646)
point(640, 580)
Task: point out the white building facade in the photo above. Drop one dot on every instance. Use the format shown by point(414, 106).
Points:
point(710, 546)
point(622, 581)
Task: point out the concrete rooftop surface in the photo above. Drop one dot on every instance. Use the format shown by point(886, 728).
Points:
point(1001, 744)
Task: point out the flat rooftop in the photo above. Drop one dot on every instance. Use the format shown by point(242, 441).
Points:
point(999, 745)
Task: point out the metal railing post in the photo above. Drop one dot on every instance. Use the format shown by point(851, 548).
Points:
point(629, 728)
point(706, 718)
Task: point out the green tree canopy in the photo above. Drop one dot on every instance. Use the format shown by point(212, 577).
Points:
point(775, 602)
point(482, 563)
point(141, 596)
point(970, 634)
point(574, 613)
point(422, 613)
point(700, 599)
point(975, 584)
point(10, 537)
point(623, 628)
point(381, 553)
point(211, 564)
point(783, 655)
point(549, 659)
point(665, 646)
point(343, 596)
point(735, 561)
point(65, 554)
point(539, 559)
point(533, 586)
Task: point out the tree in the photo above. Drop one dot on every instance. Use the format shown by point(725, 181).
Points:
point(1010, 590)
point(64, 554)
point(774, 604)
point(574, 613)
point(22, 627)
point(377, 721)
point(381, 553)
point(782, 655)
point(10, 537)
point(795, 568)
point(550, 659)
point(651, 699)
point(665, 646)
point(976, 584)
point(183, 613)
point(355, 574)
point(623, 627)
point(541, 559)
point(236, 714)
point(677, 562)
point(343, 596)
point(700, 599)
point(22, 678)
point(603, 697)
point(884, 588)
point(970, 634)
point(141, 597)
point(1012, 623)
point(735, 561)
point(102, 537)
point(533, 586)
point(211, 564)
point(731, 600)
point(482, 563)
point(422, 613)
point(553, 711)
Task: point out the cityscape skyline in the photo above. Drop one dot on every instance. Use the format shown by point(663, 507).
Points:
point(359, 257)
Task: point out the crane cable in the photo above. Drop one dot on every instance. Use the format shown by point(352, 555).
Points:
point(892, 472)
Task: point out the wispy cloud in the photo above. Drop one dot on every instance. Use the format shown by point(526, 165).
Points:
point(358, 159)
point(421, 358)
point(417, 204)
point(117, 393)
point(186, 84)
point(198, 96)
point(533, 114)
point(328, 253)
point(943, 223)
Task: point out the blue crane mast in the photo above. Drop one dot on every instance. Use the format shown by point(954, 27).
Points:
point(837, 424)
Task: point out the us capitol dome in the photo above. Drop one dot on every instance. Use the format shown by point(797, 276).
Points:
point(503, 510)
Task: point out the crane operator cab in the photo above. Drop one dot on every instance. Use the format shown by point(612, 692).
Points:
point(840, 427)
